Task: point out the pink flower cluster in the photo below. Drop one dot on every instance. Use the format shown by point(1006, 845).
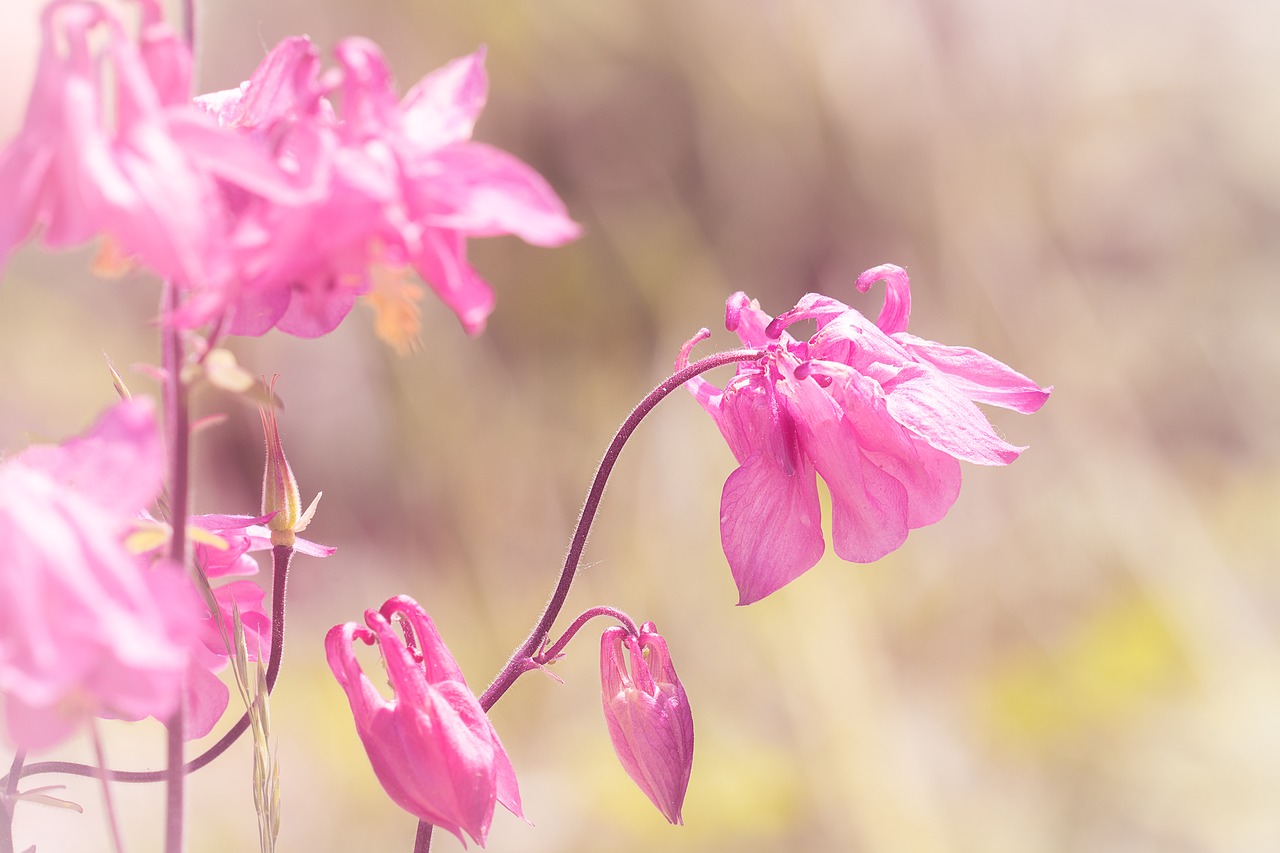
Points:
point(268, 206)
point(882, 415)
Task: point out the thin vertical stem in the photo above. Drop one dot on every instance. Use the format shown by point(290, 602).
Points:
point(8, 803)
point(422, 842)
point(178, 421)
point(189, 26)
point(103, 775)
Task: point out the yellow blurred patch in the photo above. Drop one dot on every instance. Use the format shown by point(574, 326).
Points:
point(1104, 672)
point(394, 300)
point(111, 261)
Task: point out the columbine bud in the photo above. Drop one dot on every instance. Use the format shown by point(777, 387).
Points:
point(279, 489)
point(649, 719)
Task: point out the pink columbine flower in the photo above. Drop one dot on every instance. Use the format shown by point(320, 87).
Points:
point(86, 626)
point(650, 722)
point(405, 186)
point(431, 746)
point(882, 415)
point(111, 145)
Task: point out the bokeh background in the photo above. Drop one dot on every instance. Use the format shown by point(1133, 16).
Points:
point(1083, 656)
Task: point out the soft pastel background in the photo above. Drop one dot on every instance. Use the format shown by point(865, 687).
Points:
point(1083, 656)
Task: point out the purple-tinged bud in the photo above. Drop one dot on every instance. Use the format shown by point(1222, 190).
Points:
point(280, 493)
point(649, 719)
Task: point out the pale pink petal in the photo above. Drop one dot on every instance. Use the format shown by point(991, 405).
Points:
point(978, 375)
point(484, 192)
point(442, 263)
point(206, 700)
point(929, 405)
point(443, 107)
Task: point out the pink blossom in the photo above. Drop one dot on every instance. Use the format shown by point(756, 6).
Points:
point(431, 746)
point(207, 696)
point(650, 722)
point(882, 415)
point(86, 626)
point(111, 145)
point(404, 186)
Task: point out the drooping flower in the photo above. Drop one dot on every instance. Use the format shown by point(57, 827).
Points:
point(264, 204)
point(882, 415)
point(86, 626)
point(405, 186)
point(431, 746)
point(650, 722)
point(111, 145)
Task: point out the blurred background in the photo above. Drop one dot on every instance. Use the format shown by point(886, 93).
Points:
point(1083, 656)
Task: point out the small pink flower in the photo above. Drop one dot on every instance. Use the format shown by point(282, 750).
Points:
point(86, 626)
point(431, 746)
point(650, 722)
point(882, 415)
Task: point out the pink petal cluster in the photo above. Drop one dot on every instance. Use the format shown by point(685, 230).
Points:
point(87, 627)
point(881, 415)
point(265, 203)
point(650, 722)
point(431, 746)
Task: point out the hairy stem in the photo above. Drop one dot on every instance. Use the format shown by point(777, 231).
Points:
point(520, 659)
point(550, 653)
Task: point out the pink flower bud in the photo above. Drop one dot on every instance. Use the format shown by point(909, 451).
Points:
point(649, 719)
point(431, 746)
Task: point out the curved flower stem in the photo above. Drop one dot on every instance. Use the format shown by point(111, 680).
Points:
point(8, 803)
point(551, 653)
point(520, 659)
point(281, 557)
point(523, 658)
point(178, 415)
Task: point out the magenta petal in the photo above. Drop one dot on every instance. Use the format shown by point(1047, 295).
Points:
point(868, 506)
point(317, 309)
point(770, 526)
point(432, 747)
point(930, 476)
